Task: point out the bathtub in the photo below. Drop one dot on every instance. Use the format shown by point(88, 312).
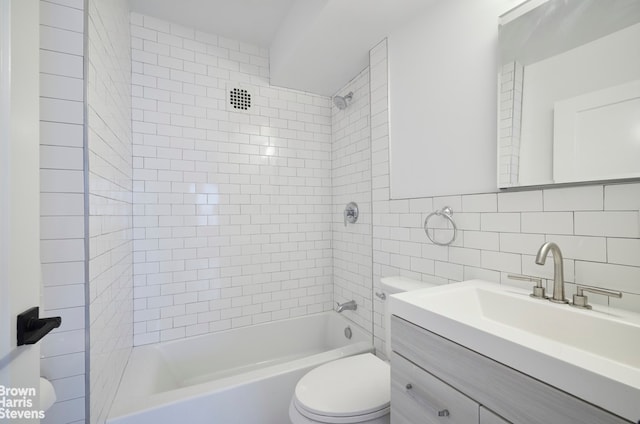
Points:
point(243, 376)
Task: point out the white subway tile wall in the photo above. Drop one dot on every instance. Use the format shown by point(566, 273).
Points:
point(596, 226)
point(110, 200)
point(351, 181)
point(62, 209)
point(232, 215)
point(510, 115)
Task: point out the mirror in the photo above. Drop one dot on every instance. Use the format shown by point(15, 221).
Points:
point(569, 92)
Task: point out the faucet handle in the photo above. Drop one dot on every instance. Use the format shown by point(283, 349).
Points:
point(580, 300)
point(351, 213)
point(538, 289)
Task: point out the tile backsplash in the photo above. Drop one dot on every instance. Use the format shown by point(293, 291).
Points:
point(232, 215)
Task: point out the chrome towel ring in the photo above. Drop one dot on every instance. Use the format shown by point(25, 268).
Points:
point(447, 213)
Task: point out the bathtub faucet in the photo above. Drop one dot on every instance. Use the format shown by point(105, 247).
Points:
point(347, 306)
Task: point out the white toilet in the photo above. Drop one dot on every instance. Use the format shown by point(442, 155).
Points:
point(355, 389)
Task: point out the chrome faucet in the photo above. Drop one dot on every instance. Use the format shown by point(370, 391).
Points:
point(347, 306)
point(558, 270)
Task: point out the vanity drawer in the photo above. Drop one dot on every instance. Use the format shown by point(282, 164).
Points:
point(418, 397)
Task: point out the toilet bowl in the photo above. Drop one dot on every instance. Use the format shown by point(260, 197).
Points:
point(356, 389)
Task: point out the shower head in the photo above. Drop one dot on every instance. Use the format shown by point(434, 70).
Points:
point(342, 102)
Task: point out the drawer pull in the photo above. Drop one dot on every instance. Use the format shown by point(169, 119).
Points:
point(423, 402)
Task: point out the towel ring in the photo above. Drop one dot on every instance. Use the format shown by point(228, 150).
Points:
point(447, 213)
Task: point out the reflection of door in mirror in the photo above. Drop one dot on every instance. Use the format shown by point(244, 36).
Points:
point(569, 50)
point(596, 136)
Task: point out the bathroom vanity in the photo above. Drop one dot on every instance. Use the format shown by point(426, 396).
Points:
point(442, 374)
point(433, 378)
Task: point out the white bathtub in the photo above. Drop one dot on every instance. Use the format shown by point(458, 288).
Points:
point(243, 376)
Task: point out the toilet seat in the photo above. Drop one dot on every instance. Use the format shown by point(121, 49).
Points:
point(381, 417)
point(349, 390)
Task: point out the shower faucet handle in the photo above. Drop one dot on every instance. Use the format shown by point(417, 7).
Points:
point(351, 213)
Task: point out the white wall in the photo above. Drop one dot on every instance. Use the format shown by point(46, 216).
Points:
point(442, 94)
point(109, 200)
point(232, 208)
point(62, 204)
point(351, 181)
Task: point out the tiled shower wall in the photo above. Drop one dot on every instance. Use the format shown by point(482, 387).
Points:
point(232, 210)
point(351, 181)
point(596, 226)
point(109, 200)
point(62, 204)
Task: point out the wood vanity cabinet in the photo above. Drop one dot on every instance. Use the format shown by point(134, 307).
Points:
point(434, 380)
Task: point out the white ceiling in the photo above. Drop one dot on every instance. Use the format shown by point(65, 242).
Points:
point(315, 45)
point(251, 21)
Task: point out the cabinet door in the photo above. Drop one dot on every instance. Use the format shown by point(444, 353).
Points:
point(418, 397)
point(488, 417)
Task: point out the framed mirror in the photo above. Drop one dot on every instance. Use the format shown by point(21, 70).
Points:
point(569, 92)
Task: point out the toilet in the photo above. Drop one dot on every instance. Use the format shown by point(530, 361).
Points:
point(355, 389)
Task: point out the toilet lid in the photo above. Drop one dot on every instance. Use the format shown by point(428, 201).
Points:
point(356, 385)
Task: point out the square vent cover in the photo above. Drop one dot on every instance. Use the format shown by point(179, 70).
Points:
point(239, 97)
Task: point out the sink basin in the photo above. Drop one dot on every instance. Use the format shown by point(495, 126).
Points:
point(593, 354)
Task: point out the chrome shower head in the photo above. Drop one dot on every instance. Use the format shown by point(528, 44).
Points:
point(342, 102)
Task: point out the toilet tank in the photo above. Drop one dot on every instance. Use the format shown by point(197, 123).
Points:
point(392, 285)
